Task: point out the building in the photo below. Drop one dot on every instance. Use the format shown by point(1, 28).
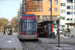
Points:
point(42, 9)
point(67, 14)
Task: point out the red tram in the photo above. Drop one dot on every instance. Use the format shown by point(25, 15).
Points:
point(28, 27)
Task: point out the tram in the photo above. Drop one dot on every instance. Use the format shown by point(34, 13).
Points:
point(28, 27)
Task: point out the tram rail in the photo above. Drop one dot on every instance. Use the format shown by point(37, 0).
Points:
point(33, 46)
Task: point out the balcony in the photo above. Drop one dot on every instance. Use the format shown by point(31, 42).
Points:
point(47, 19)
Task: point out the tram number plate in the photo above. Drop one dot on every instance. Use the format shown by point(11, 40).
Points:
point(28, 32)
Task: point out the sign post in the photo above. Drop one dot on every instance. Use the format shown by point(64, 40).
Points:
point(58, 33)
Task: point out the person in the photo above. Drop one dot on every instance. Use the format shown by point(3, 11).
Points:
point(10, 32)
point(42, 34)
point(38, 31)
point(68, 30)
point(4, 31)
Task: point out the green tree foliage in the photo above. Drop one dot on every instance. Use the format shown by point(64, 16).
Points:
point(3, 22)
point(14, 22)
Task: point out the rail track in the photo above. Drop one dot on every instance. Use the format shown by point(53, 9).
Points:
point(32, 46)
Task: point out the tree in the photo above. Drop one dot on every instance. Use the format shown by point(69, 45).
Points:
point(3, 22)
point(13, 22)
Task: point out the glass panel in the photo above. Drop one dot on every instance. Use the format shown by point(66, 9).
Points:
point(69, 1)
point(62, 4)
point(49, 9)
point(74, 19)
point(68, 13)
point(24, 26)
point(74, 7)
point(74, 13)
point(68, 19)
point(29, 25)
point(49, 1)
point(62, 11)
point(68, 7)
point(55, 1)
point(38, 0)
point(71, 13)
point(74, 1)
point(55, 9)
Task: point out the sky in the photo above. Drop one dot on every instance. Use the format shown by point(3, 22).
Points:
point(9, 8)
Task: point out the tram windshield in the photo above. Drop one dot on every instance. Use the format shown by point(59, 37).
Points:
point(29, 25)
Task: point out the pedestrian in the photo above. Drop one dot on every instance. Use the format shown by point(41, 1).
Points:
point(4, 32)
point(38, 31)
point(68, 30)
point(42, 34)
point(10, 32)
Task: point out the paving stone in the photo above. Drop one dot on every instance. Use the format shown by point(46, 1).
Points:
point(10, 43)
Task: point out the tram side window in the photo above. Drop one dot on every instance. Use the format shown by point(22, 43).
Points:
point(24, 26)
point(20, 26)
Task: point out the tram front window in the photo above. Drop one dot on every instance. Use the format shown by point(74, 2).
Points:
point(29, 25)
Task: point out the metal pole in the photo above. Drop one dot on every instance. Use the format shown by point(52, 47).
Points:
point(58, 33)
point(51, 18)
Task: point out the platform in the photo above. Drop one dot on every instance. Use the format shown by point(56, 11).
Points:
point(63, 40)
point(10, 43)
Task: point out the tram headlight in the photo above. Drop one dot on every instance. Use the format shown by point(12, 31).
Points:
point(34, 32)
point(24, 32)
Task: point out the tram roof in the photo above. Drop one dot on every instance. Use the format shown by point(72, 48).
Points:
point(27, 15)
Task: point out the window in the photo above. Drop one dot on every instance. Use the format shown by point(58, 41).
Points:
point(74, 13)
point(62, 4)
point(69, 13)
point(49, 1)
point(68, 19)
point(74, 7)
point(62, 17)
point(55, 9)
point(74, 1)
point(49, 9)
point(69, 7)
point(74, 20)
point(71, 18)
point(62, 11)
point(69, 1)
point(56, 2)
point(63, 25)
point(38, 0)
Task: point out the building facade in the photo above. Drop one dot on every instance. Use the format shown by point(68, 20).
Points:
point(42, 9)
point(67, 14)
